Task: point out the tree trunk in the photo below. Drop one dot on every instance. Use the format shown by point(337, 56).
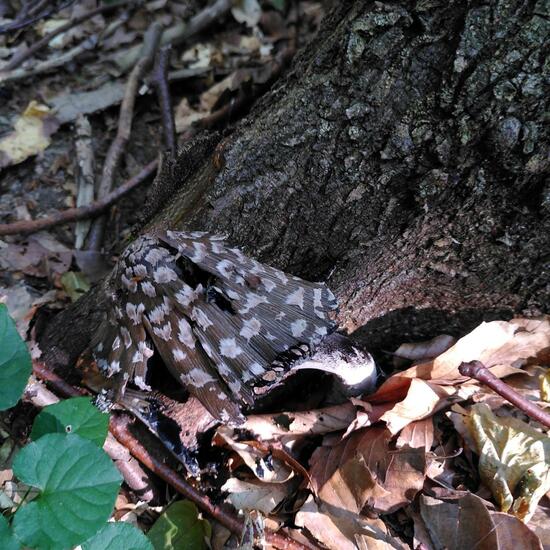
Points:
point(402, 159)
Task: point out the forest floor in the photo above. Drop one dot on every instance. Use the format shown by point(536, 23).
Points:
point(432, 458)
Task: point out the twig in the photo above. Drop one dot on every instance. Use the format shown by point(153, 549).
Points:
point(150, 45)
point(159, 79)
point(476, 369)
point(25, 21)
point(118, 426)
point(181, 32)
point(21, 56)
point(74, 214)
point(134, 475)
point(85, 175)
point(87, 44)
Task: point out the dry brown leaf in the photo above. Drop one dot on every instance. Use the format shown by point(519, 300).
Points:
point(417, 435)
point(540, 522)
point(544, 385)
point(40, 256)
point(364, 470)
point(209, 98)
point(343, 532)
point(31, 135)
point(255, 495)
point(500, 345)
point(514, 460)
point(185, 115)
point(262, 462)
point(423, 399)
point(428, 349)
point(317, 421)
point(466, 523)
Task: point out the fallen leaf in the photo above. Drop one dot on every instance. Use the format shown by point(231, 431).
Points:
point(40, 256)
point(185, 115)
point(31, 135)
point(255, 495)
point(423, 399)
point(317, 421)
point(263, 464)
point(420, 351)
point(544, 385)
point(343, 532)
point(467, 523)
point(365, 470)
point(514, 460)
point(502, 346)
point(247, 11)
point(417, 435)
point(69, 105)
point(74, 284)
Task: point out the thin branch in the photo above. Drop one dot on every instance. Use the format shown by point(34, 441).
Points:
point(119, 427)
point(476, 369)
point(23, 55)
point(114, 154)
point(85, 174)
point(180, 32)
point(54, 62)
point(25, 21)
point(159, 79)
point(74, 214)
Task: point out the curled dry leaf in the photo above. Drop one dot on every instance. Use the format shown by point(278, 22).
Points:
point(422, 400)
point(467, 523)
point(255, 495)
point(417, 435)
point(31, 135)
point(544, 385)
point(40, 255)
point(514, 460)
point(502, 346)
point(364, 470)
point(428, 349)
point(318, 421)
point(261, 461)
point(339, 531)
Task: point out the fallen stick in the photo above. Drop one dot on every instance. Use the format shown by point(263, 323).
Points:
point(476, 369)
point(27, 227)
point(159, 79)
point(25, 21)
point(114, 154)
point(23, 55)
point(85, 175)
point(179, 33)
point(119, 427)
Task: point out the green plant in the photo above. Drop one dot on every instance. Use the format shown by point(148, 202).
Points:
point(74, 482)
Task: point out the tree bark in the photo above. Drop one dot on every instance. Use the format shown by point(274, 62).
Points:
point(403, 159)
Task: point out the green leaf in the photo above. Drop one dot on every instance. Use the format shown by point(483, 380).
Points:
point(118, 536)
point(77, 416)
point(180, 527)
point(78, 484)
point(75, 284)
point(7, 540)
point(15, 362)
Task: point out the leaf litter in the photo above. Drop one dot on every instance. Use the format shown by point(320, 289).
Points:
point(428, 458)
